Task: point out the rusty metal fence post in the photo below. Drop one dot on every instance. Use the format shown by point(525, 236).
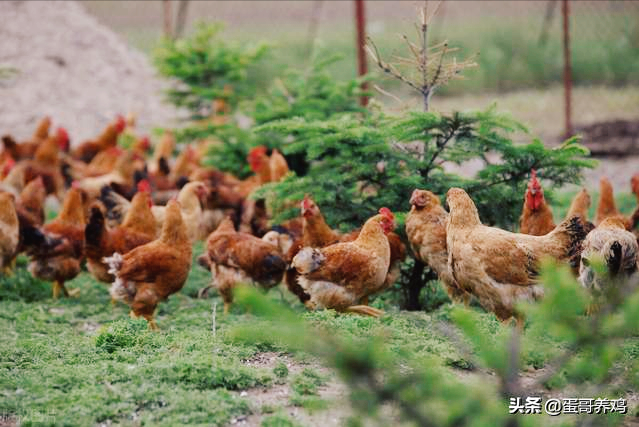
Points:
point(360, 25)
point(565, 12)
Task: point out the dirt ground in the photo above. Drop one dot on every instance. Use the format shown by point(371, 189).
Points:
point(58, 60)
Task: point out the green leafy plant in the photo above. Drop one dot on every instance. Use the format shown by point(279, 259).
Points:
point(121, 334)
point(207, 68)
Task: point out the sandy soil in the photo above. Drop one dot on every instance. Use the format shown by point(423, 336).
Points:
point(65, 64)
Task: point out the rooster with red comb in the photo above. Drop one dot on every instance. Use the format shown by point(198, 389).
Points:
point(536, 217)
point(339, 276)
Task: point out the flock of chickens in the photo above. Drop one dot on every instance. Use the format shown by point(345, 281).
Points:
point(134, 216)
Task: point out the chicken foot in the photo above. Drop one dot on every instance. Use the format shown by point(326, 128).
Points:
point(364, 310)
point(149, 318)
point(59, 286)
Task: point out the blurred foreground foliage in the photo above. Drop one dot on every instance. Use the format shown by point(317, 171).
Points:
point(582, 356)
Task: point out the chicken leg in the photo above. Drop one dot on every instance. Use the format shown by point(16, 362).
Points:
point(152, 325)
point(56, 289)
point(204, 292)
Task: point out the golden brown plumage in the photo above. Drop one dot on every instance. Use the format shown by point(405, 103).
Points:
point(57, 248)
point(426, 231)
point(234, 257)
point(339, 276)
point(580, 205)
point(497, 266)
point(121, 174)
point(138, 228)
point(46, 163)
point(163, 150)
point(317, 234)
point(278, 166)
point(536, 217)
point(150, 273)
point(9, 232)
point(30, 204)
point(191, 197)
point(26, 149)
point(606, 207)
point(615, 246)
point(107, 139)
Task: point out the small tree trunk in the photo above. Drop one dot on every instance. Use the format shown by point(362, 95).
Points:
point(181, 18)
point(360, 24)
point(168, 18)
point(415, 286)
point(567, 70)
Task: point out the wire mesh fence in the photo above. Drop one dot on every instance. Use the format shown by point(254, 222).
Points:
point(519, 44)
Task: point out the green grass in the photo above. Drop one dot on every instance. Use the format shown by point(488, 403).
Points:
point(510, 56)
point(604, 41)
point(83, 361)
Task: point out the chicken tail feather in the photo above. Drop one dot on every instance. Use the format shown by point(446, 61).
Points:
point(574, 232)
point(614, 258)
point(94, 230)
point(120, 290)
point(116, 205)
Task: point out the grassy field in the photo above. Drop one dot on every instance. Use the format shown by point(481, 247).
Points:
point(82, 361)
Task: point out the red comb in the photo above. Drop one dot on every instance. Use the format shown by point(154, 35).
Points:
point(306, 203)
point(387, 213)
point(146, 142)
point(120, 123)
point(9, 163)
point(144, 186)
point(62, 138)
point(257, 151)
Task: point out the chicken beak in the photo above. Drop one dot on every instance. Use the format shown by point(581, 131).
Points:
point(413, 198)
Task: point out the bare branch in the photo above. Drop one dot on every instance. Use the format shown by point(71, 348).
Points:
point(430, 65)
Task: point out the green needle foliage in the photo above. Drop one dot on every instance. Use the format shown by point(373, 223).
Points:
point(359, 164)
point(207, 68)
point(312, 94)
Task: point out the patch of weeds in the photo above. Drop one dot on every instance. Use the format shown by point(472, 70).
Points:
point(22, 286)
point(121, 334)
point(535, 358)
point(200, 372)
point(279, 420)
point(268, 409)
point(461, 363)
point(307, 382)
point(280, 370)
point(310, 403)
